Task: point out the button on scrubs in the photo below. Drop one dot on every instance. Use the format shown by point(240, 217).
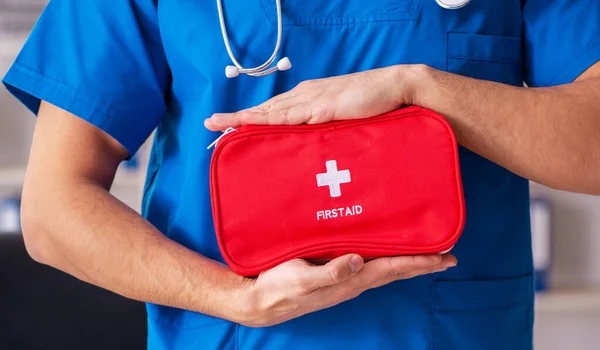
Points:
point(131, 66)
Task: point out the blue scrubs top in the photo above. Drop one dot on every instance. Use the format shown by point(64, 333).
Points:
point(131, 66)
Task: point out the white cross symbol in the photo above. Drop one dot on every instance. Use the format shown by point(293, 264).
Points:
point(333, 178)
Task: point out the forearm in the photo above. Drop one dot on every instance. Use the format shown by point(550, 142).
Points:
point(78, 227)
point(548, 135)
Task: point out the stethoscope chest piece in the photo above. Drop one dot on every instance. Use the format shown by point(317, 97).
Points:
point(452, 4)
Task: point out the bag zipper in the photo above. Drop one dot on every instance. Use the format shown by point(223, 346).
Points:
point(227, 131)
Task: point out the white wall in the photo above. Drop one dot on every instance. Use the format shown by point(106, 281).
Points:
point(576, 236)
point(576, 264)
point(567, 331)
point(16, 123)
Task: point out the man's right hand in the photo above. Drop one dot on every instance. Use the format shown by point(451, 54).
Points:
point(297, 287)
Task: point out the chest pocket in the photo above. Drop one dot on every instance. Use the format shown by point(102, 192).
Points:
point(341, 12)
point(487, 57)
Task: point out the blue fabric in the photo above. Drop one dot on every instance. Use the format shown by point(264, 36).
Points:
point(561, 40)
point(131, 66)
point(102, 62)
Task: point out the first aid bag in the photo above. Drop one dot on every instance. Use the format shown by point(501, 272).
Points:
point(383, 186)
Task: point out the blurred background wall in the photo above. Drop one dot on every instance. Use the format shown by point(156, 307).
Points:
point(42, 308)
point(566, 231)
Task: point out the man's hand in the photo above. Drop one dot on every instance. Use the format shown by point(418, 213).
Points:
point(353, 96)
point(295, 288)
point(71, 222)
point(548, 135)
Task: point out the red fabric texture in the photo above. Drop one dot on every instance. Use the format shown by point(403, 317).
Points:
point(400, 190)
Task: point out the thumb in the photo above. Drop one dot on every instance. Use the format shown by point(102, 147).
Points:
point(334, 272)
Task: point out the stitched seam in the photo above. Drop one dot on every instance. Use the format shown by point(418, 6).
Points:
point(349, 22)
point(163, 323)
point(517, 39)
point(432, 317)
point(586, 51)
point(447, 51)
point(237, 336)
point(147, 192)
point(501, 40)
point(414, 5)
point(267, 12)
point(79, 97)
point(357, 19)
point(481, 59)
point(77, 93)
point(502, 279)
point(494, 307)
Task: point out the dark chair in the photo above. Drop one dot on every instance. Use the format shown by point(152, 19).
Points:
point(42, 308)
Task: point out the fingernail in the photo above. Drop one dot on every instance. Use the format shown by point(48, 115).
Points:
point(451, 265)
point(355, 263)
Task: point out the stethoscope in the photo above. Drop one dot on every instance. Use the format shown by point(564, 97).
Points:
point(285, 63)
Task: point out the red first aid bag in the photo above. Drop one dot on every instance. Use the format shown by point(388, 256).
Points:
point(383, 186)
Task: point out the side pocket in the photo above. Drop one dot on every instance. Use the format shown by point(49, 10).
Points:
point(486, 315)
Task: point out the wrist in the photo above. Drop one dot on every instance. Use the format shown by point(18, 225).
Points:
point(222, 294)
point(419, 82)
point(243, 300)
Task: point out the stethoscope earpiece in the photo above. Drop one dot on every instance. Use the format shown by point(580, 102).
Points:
point(232, 72)
point(284, 64)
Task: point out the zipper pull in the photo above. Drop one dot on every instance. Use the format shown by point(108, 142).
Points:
point(227, 131)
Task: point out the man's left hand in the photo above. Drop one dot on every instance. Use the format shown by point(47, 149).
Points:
point(353, 96)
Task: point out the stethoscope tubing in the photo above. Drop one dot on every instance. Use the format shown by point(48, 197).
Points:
point(262, 70)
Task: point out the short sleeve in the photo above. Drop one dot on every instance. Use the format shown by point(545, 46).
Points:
point(562, 40)
point(100, 60)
